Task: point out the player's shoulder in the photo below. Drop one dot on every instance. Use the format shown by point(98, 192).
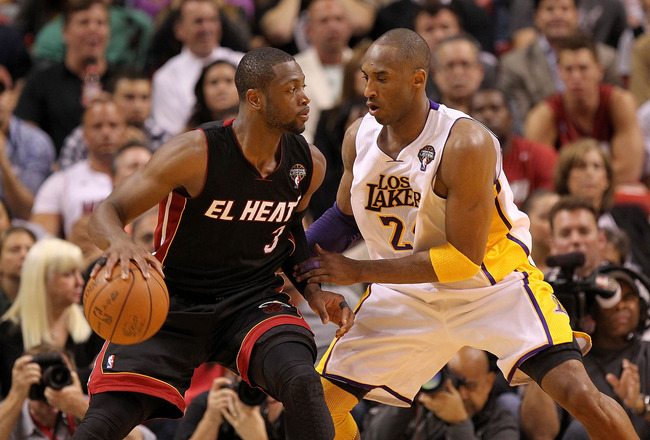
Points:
point(467, 133)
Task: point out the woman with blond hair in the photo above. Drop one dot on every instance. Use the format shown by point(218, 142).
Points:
point(47, 309)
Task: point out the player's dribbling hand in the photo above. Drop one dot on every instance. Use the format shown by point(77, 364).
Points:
point(328, 267)
point(330, 307)
point(122, 253)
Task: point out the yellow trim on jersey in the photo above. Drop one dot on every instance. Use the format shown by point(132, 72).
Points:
point(503, 254)
point(323, 360)
point(450, 264)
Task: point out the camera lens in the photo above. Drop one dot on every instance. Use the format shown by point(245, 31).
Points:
point(57, 377)
point(250, 396)
point(436, 383)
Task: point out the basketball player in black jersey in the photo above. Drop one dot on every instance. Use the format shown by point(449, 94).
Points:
point(230, 196)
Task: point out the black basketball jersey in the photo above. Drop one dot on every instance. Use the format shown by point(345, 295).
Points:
point(235, 234)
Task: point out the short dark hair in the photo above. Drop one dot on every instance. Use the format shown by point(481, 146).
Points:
point(460, 37)
point(434, 9)
point(539, 2)
point(411, 47)
point(255, 70)
point(74, 6)
point(571, 204)
point(578, 40)
point(128, 72)
point(179, 10)
point(13, 230)
point(127, 146)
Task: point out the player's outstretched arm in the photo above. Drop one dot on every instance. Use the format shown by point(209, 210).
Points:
point(178, 164)
point(466, 179)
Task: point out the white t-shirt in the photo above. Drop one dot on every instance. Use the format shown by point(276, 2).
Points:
point(72, 193)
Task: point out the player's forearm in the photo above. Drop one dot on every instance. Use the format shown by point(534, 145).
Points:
point(415, 268)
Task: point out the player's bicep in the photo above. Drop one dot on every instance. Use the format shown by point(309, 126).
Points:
point(179, 163)
point(349, 154)
point(468, 172)
point(318, 174)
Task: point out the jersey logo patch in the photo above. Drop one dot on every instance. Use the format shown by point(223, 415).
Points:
point(110, 361)
point(426, 156)
point(297, 173)
point(270, 307)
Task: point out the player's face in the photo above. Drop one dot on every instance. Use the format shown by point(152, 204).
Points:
point(577, 231)
point(580, 73)
point(458, 72)
point(287, 106)
point(87, 33)
point(104, 129)
point(13, 254)
point(199, 28)
point(133, 97)
point(64, 289)
point(490, 108)
point(390, 89)
point(556, 19)
point(621, 319)
point(588, 178)
point(219, 88)
point(434, 28)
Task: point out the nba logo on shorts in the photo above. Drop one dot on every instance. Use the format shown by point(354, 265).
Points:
point(109, 362)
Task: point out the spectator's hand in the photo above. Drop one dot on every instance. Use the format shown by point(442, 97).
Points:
point(246, 420)
point(218, 398)
point(24, 374)
point(328, 267)
point(70, 399)
point(446, 404)
point(330, 306)
point(628, 386)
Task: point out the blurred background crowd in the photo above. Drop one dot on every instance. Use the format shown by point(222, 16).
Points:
point(89, 89)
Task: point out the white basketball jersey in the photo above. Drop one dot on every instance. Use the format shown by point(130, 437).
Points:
point(398, 213)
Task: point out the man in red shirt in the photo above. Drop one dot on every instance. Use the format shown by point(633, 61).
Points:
point(528, 164)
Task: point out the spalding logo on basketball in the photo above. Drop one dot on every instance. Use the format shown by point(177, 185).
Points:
point(126, 311)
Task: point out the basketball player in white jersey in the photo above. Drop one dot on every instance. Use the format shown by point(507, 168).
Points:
point(449, 252)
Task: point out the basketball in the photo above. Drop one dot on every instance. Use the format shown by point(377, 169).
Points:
point(126, 311)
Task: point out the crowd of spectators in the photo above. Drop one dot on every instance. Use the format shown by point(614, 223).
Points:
point(90, 89)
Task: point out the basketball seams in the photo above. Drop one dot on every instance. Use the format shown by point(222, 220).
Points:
point(116, 308)
point(126, 299)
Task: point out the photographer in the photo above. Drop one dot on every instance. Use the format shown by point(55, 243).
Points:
point(34, 409)
point(618, 361)
point(465, 411)
point(224, 414)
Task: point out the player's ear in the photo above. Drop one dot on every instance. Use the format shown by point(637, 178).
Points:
point(420, 78)
point(254, 98)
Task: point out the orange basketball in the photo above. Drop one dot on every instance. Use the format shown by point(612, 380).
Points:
point(126, 311)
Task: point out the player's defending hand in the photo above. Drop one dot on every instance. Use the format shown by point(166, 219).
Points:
point(329, 267)
point(122, 252)
point(330, 306)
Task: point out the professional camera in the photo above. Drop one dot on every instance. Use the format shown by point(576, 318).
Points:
point(577, 294)
point(437, 382)
point(247, 394)
point(54, 374)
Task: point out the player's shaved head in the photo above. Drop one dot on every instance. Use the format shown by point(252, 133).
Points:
point(412, 49)
point(255, 70)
